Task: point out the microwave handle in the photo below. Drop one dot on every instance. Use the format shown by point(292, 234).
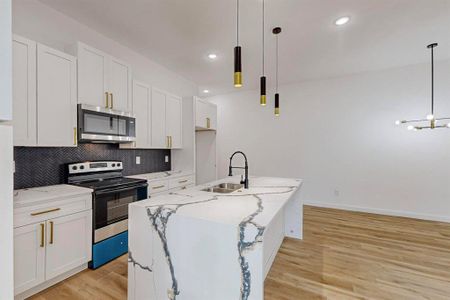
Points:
point(113, 190)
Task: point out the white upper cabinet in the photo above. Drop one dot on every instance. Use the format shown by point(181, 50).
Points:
point(142, 94)
point(158, 120)
point(174, 121)
point(103, 80)
point(119, 85)
point(24, 91)
point(205, 115)
point(92, 71)
point(56, 98)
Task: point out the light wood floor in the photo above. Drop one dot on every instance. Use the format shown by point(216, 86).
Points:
point(344, 255)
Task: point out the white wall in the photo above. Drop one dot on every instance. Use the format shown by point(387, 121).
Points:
point(339, 136)
point(39, 22)
point(6, 181)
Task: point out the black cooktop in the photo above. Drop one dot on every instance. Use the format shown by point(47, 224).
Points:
point(109, 183)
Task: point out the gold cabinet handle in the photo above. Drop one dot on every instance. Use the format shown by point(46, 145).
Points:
point(112, 101)
point(183, 181)
point(42, 235)
point(51, 232)
point(208, 123)
point(44, 212)
point(170, 142)
point(167, 141)
point(75, 137)
point(158, 187)
point(107, 99)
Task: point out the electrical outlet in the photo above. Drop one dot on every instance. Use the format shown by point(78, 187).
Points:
point(166, 159)
point(138, 160)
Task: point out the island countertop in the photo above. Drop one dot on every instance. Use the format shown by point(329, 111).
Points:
point(194, 244)
point(229, 208)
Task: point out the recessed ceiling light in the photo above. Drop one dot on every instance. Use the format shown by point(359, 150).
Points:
point(212, 56)
point(206, 91)
point(342, 21)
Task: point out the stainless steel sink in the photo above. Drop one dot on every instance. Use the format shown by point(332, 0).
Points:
point(230, 186)
point(223, 188)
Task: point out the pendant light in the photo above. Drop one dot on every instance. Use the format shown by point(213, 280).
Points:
point(430, 118)
point(237, 53)
point(276, 31)
point(263, 96)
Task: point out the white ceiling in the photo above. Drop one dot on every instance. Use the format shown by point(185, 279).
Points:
point(180, 33)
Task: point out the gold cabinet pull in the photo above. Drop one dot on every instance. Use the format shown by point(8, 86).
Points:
point(170, 142)
point(158, 187)
point(75, 137)
point(112, 101)
point(183, 181)
point(167, 141)
point(51, 232)
point(208, 123)
point(44, 212)
point(42, 235)
point(106, 100)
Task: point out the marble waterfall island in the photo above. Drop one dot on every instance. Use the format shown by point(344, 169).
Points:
point(198, 245)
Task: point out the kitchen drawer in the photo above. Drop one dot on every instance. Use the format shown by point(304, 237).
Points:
point(181, 181)
point(39, 213)
point(158, 186)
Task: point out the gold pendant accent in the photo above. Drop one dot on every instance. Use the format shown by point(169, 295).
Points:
point(277, 111)
point(237, 79)
point(263, 100)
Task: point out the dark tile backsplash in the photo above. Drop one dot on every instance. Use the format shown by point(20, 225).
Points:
point(36, 166)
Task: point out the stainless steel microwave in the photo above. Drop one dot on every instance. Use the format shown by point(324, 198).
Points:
point(104, 125)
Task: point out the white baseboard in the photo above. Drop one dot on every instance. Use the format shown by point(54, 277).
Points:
point(380, 211)
point(49, 283)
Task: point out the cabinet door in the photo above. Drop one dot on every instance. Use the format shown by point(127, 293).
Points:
point(69, 241)
point(24, 91)
point(29, 256)
point(56, 98)
point(92, 70)
point(173, 120)
point(119, 85)
point(142, 111)
point(200, 114)
point(158, 120)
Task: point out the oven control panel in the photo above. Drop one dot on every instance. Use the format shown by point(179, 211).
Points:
point(95, 166)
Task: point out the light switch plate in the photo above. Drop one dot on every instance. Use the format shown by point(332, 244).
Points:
point(138, 160)
point(167, 159)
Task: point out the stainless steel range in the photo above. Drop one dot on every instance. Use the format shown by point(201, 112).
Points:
point(112, 193)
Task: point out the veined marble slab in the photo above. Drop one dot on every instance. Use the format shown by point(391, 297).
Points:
point(200, 245)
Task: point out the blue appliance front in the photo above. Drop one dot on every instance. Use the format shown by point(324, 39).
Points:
point(110, 221)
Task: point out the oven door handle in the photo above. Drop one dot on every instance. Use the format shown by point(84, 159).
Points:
point(114, 190)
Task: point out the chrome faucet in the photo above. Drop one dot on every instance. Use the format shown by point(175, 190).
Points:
point(230, 172)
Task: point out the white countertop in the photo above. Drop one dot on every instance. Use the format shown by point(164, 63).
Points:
point(162, 175)
point(31, 196)
point(229, 208)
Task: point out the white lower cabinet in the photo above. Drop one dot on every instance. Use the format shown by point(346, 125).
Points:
point(68, 243)
point(50, 241)
point(29, 256)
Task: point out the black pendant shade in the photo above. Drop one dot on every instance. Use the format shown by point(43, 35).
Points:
point(276, 31)
point(237, 53)
point(263, 99)
point(277, 104)
point(263, 95)
point(237, 67)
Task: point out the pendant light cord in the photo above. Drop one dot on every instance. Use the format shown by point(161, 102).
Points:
point(432, 81)
point(277, 66)
point(237, 22)
point(263, 38)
